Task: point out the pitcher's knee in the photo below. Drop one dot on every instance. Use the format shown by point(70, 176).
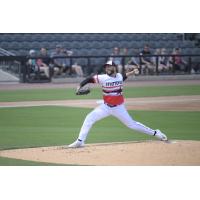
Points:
point(89, 121)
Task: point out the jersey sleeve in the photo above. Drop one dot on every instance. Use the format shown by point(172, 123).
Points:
point(123, 76)
point(98, 79)
point(89, 79)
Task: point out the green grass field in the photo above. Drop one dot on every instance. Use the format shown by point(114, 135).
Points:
point(17, 162)
point(50, 125)
point(62, 94)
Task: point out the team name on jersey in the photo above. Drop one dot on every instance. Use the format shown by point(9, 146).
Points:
point(116, 83)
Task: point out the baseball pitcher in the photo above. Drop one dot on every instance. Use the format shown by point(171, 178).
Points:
point(112, 86)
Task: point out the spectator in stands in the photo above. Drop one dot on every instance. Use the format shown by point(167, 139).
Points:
point(177, 61)
point(125, 52)
point(32, 62)
point(43, 62)
point(117, 60)
point(64, 63)
point(165, 60)
point(162, 61)
point(76, 68)
point(133, 62)
point(58, 62)
point(148, 65)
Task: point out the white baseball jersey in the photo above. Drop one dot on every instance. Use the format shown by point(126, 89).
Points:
point(111, 87)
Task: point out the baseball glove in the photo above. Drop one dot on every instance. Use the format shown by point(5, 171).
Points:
point(83, 91)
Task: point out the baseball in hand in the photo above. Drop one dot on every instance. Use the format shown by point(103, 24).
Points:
point(136, 71)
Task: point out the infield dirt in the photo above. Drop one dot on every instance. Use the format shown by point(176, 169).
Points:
point(145, 153)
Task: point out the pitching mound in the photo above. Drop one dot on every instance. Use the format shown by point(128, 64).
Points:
point(116, 154)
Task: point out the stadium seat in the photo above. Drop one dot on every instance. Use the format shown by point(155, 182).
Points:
point(16, 45)
point(114, 44)
point(4, 45)
point(1, 37)
point(84, 52)
point(35, 45)
point(195, 50)
point(88, 45)
point(7, 38)
point(85, 37)
point(45, 37)
point(57, 37)
point(99, 37)
point(127, 37)
point(108, 37)
point(136, 45)
point(27, 37)
point(23, 52)
point(128, 44)
point(106, 44)
point(94, 43)
point(45, 45)
point(186, 51)
point(97, 45)
point(94, 52)
point(75, 45)
point(82, 61)
point(135, 37)
point(103, 52)
point(171, 44)
point(89, 37)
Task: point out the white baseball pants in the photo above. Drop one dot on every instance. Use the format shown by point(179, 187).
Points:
point(119, 112)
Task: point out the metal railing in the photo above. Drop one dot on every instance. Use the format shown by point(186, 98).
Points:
point(18, 64)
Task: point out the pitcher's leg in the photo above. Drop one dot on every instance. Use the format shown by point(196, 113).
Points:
point(121, 113)
point(94, 116)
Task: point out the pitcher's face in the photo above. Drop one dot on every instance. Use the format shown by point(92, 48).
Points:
point(110, 69)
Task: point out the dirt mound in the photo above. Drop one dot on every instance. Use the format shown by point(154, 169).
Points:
point(116, 154)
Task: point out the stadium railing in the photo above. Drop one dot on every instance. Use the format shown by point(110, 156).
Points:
point(17, 65)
